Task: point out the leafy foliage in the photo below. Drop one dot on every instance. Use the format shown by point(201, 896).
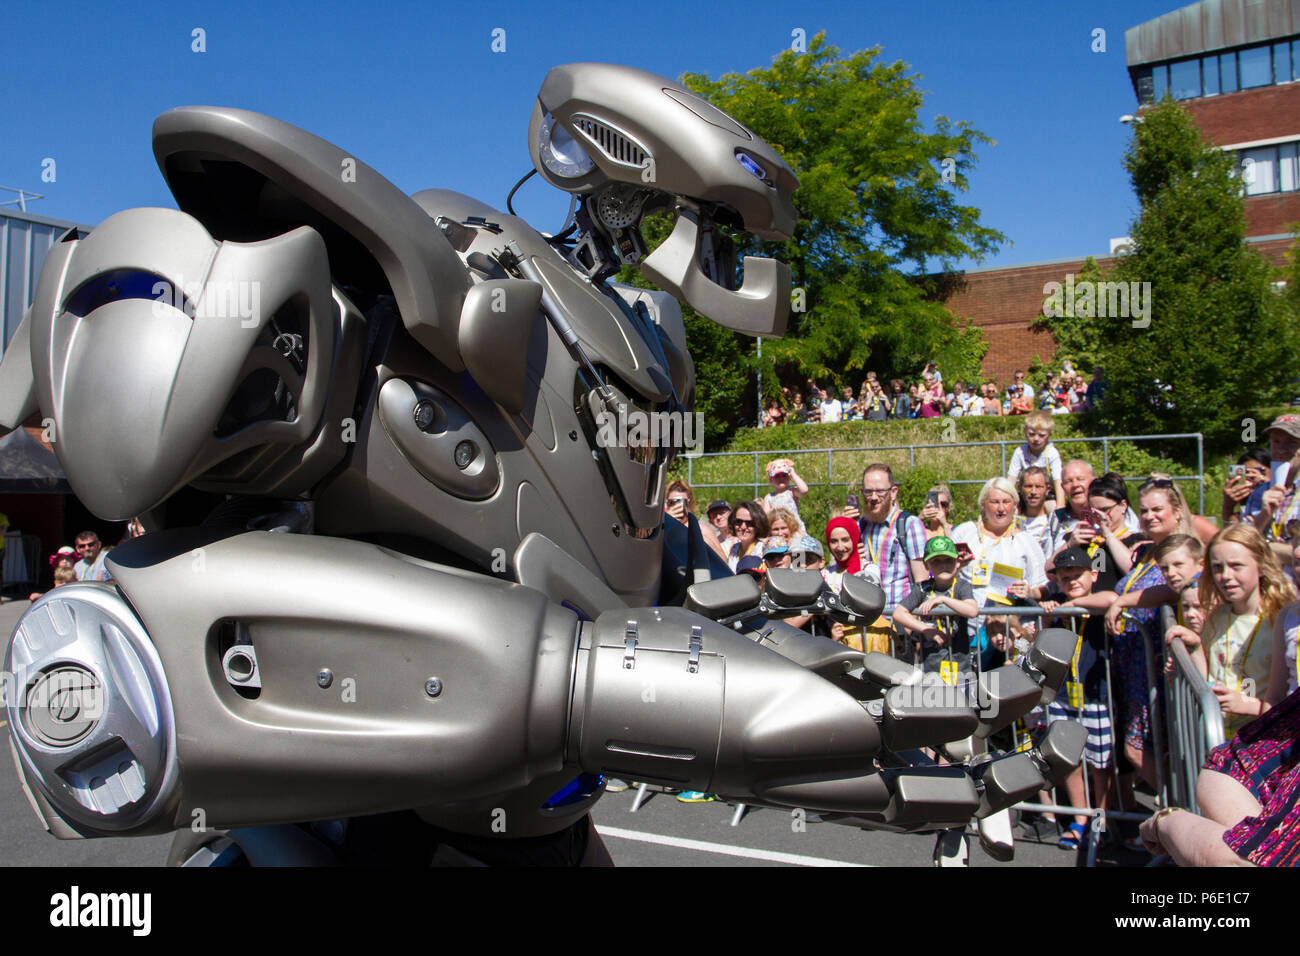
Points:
point(875, 213)
point(1219, 336)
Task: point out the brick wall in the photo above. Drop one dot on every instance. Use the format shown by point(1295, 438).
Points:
point(1004, 302)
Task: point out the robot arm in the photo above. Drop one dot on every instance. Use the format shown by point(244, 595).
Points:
point(308, 678)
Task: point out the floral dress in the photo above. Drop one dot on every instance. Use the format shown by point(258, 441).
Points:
point(1128, 665)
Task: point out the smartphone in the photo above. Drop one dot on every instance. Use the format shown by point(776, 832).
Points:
point(964, 553)
point(1094, 518)
point(1236, 471)
point(932, 498)
point(852, 500)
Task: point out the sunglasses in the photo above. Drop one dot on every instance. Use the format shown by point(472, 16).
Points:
point(1156, 483)
point(742, 523)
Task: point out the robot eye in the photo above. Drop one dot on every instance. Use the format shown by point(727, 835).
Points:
point(751, 166)
point(560, 152)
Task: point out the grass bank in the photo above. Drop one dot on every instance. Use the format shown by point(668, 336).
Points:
point(921, 452)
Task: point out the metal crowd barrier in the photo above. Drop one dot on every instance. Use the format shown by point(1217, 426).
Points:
point(1195, 724)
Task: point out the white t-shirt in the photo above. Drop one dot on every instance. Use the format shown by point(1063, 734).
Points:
point(1048, 458)
point(831, 410)
point(1038, 529)
point(1019, 550)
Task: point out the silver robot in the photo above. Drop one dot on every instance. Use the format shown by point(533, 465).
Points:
point(400, 601)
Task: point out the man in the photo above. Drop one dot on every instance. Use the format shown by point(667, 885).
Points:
point(1076, 476)
point(91, 567)
point(892, 544)
point(878, 406)
point(830, 407)
point(718, 514)
point(1283, 443)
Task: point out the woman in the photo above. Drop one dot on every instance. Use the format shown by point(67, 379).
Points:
point(679, 500)
point(1108, 497)
point(748, 526)
point(782, 523)
point(994, 539)
point(931, 397)
point(992, 404)
point(936, 518)
point(1161, 512)
point(1244, 592)
point(901, 401)
point(1032, 485)
point(842, 542)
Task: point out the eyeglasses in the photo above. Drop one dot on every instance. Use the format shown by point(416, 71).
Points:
point(876, 492)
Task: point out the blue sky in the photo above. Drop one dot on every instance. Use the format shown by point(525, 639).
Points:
point(415, 90)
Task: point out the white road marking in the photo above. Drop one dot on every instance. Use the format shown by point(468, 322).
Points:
point(722, 848)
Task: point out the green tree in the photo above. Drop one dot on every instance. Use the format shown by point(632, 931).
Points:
point(1216, 339)
point(878, 207)
point(1077, 337)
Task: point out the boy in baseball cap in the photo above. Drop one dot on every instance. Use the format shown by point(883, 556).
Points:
point(944, 642)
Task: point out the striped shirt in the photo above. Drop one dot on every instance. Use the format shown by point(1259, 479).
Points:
point(890, 544)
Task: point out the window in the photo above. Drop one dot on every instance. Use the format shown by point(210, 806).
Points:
point(1146, 95)
point(1259, 170)
point(1288, 167)
point(1228, 72)
point(1256, 70)
point(1295, 59)
point(1210, 74)
point(1159, 82)
point(1185, 79)
point(1270, 169)
point(1282, 62)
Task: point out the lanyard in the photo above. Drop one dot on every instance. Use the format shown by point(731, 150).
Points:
point(1138, 572)
point(1009, 533)
point(878, 557)
point(1284, 514)
point(1250, 641)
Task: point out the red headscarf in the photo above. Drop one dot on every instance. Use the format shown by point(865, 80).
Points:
point(848, 524)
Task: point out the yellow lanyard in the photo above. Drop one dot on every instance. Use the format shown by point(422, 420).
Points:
point(1142, 569)
point(1010, 532)
point(1250, 641)
point(1284, 514)
point(873, 556)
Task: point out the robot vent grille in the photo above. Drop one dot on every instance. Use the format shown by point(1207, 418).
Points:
point(617, 146)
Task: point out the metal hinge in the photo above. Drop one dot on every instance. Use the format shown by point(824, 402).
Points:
point(697, 644)
point(629, 646)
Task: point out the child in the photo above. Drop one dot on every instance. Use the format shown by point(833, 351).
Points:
point(787, 488)
point(1179, 558)
point(945, 641)
point(1243, 586)
point(1039, 450)
point(1083, 697)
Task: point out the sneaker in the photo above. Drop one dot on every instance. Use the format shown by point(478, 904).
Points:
point(1040, 829)
point(615, 785)
point(695, 796)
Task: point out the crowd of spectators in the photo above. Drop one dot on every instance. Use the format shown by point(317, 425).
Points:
point(1060, 393)
point(1053, 534)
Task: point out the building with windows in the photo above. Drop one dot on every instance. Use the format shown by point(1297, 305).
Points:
point(1235, 66)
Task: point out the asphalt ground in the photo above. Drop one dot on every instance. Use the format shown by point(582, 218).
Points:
point(662, 832)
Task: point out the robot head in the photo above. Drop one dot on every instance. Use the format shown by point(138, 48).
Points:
point(160, 353)
point(629, 142)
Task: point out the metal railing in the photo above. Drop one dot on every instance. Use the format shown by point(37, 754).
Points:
point(760, 478)
point(1195, 724)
